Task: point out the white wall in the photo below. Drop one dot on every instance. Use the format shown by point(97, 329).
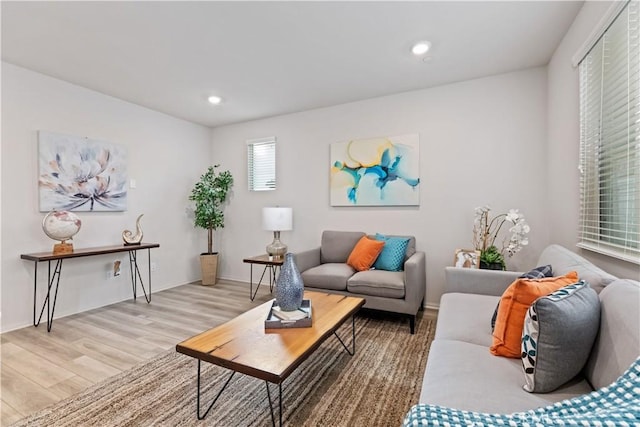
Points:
point(481, 142)
point(166, 157)
point(508, 141)
point(564, 142)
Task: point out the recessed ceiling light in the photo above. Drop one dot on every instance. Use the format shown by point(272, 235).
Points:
point(215, 100)
point(421, 48)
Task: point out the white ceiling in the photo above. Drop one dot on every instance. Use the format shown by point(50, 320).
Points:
point(271, 58)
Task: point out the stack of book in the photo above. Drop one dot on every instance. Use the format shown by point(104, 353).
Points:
point(300, 318)
point(289, 315)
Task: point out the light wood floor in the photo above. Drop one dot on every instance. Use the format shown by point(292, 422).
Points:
point(40, 368)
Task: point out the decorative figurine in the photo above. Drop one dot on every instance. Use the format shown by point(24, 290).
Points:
point(133, 239)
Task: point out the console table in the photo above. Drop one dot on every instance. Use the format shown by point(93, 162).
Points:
point(79, 253)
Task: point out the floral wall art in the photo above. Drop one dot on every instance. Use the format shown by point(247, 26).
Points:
point(81, 174)
point(376, 172)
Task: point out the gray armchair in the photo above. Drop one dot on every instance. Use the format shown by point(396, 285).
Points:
point(325, 268)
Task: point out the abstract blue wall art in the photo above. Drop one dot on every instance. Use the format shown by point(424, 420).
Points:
point(81, 174)
point(376, 172)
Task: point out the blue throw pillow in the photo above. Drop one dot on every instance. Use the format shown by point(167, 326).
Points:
point(392, 256)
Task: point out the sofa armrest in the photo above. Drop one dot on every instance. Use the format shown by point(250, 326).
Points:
point(415, 278)
point(476, 281)
point(307, 259)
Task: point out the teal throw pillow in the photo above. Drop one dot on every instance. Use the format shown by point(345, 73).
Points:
point(392, 256)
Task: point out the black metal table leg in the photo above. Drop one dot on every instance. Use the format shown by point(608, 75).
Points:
point(149, 272)
point(136, 275)
point(273, 418)
point(134, 286)
point(47, 301)
point(35, 288)
point(253, 296)
point(280, 402)
point(201, 417)
point(251, 282)
point(353, 338)
point(272, 277)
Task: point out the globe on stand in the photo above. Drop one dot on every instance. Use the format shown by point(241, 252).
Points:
point(62, 226)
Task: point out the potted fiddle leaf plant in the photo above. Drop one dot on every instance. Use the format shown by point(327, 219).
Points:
point(209, 195)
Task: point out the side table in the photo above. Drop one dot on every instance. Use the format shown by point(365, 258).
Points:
point(271, 263)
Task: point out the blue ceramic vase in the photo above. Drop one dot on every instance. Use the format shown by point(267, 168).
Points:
point(289, 286)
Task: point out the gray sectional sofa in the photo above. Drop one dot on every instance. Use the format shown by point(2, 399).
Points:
point(325, 268)
point(461, 373)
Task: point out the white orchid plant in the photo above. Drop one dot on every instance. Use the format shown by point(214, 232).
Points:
point(486, 231)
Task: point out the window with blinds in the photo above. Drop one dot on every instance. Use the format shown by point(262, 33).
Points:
point(261, 159)
point(610, 140)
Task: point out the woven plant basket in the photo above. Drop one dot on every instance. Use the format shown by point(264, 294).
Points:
point(209, 267)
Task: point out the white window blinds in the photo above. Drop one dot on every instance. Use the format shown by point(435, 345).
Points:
point(261, 159)
point(610, 140)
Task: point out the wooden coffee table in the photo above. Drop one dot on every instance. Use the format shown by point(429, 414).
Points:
point(244, 345)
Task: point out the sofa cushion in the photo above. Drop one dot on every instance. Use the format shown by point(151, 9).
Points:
point(618, 341)
point(364, 253)
point(564, 261)
point(336, 246)
point(615, 405)
point(458, 317)
point(389, 284)
point(559, 331)
point(328, 276)
point(393, 253)
point(514, 303)
point(465, 376)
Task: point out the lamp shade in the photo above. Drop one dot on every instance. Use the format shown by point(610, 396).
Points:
point(277, 219)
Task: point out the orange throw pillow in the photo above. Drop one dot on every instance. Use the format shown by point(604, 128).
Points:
point(515, 301)
point(364, 254)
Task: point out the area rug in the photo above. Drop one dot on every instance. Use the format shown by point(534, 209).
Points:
point(375, 387)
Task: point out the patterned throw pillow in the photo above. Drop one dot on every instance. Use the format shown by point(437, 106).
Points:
point(559, 331)
point(392, 256)
point(364, 253)
point(536, 273)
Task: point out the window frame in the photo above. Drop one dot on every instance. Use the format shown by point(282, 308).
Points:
point(609, 144)
point(258, 174)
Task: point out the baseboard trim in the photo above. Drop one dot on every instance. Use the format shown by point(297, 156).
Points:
point(434, 307)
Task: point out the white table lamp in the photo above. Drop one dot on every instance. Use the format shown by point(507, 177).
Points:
point(277, 219)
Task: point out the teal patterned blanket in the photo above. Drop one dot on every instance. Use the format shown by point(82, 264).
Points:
point(615, 405)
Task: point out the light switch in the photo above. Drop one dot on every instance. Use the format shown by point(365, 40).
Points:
point(132, 183)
